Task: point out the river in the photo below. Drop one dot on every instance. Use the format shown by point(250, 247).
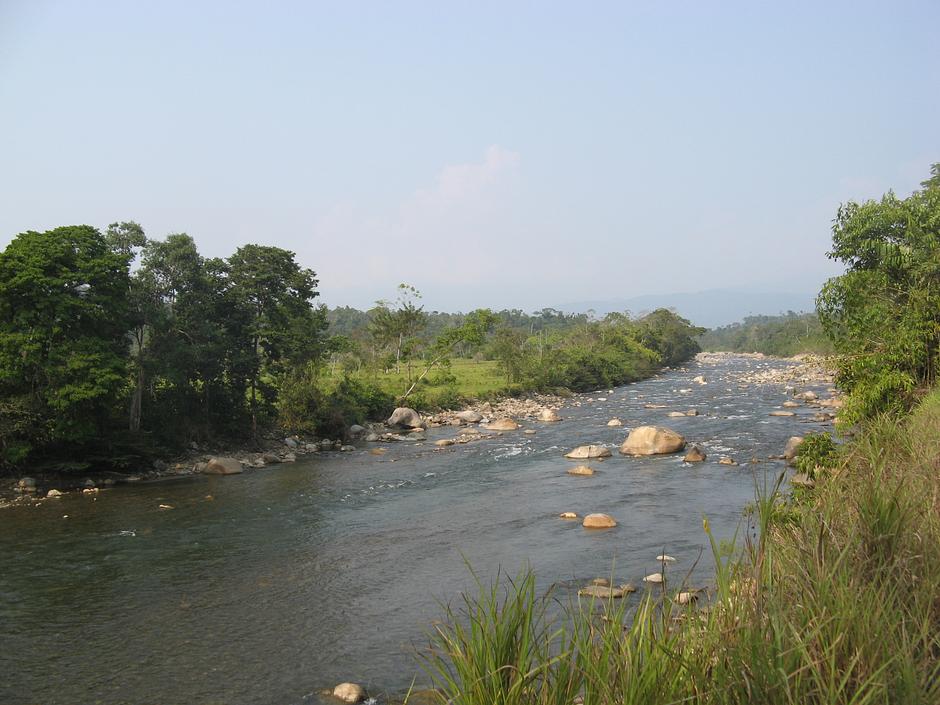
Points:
point(266, 587)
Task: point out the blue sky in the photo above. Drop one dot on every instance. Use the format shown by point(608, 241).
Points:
point(491, 154)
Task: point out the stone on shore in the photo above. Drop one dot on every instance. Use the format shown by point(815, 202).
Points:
point(652, 440)
point(349, 692)
point(587, 452)
point(581, 470)
point(793, 447)
point(598, 521)
point(502, 425)
point(549, 415)
point(695, 455)
point(405, 418)
point(469, 416)
point(356, 430)
point(223, 466)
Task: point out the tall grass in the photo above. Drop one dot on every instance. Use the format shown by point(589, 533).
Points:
point(836, 600)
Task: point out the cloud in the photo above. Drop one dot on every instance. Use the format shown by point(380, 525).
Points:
point(465, 206)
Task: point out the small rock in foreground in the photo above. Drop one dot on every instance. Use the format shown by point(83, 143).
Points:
point(349, 692)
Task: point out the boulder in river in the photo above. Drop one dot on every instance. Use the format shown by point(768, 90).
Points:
point(700, 379)
point(652, 440)
point(581, 470)
point(807, 396)
point(606, 591)
point(53, 493)
point(790, 405)
point(444, 442)
point(587, 452)
point(349, 692)
point(568, 515)
point(615, 422)
point(727, 461)
point(793, 447)
point(549, 415)
point(654, 578)
point(782, 413)
point(405, 418)
point(469, 416)
point(222, 466)
point(676, 414)
point(695, 455)
point(502, 425)
point(598, 521)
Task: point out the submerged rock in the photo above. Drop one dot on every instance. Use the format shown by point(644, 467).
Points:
point(581, 470)
point(549, 415)
point(444, 442)
point(606, 592)
point(695, 455)
point(727, 461)
point(586, 452)
point(652, 440)
point(568, 515)
point(615, 422)
point(782, 413)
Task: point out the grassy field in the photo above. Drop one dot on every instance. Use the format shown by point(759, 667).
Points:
point(835, 599)
point(443, 387)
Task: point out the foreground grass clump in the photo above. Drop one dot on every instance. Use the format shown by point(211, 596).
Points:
point(836, 600)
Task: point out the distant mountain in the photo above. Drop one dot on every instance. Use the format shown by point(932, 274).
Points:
point(713, 308)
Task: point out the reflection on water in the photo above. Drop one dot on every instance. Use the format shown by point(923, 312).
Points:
point(267, 586)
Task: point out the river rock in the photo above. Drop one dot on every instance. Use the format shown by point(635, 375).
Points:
point(529, 432)
point(695, 455)
point(603, 582)
point(692, 412)
point(356, 430)
point(549, 415)
point(222, 466)
point(801, 479)
point(782, 413)
point(654, 578)
point(53, 493)
point(727, 461)
point(664, 558)
point(502, 425)
point(615, 422)
point(26, 484)
point(793, 447)
point(469, 416)
point(676, 414)
point(807, 396)
point(686, 598)
point(372, 437)
point(271, 458)
point(606, 592)
point(568, 515)
point(444, 442)
point(581, 470)
point(598, 521)
point(349, 692)
point(700, 380)
point(290, 442)
point(652, 440)
point(587, 452)
point(405, 418)
point(790, 405)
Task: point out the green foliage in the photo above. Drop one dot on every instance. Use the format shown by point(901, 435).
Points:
point(783, 336)
point(63, 319)
point(817, 450)
point(883, 314)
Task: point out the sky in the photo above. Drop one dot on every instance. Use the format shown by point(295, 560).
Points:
point(504, 154)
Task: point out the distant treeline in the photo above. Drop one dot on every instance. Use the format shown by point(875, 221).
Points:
point(783, 335)
point(115, 346)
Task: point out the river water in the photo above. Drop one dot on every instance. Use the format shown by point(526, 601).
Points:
point(266, 587)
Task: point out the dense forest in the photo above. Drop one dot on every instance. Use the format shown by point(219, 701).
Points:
point(783, 335)
point(115, 346)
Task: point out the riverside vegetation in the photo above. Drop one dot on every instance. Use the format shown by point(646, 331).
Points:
point(108, 365)
point(834, 596)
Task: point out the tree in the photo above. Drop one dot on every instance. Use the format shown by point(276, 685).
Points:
point(63, 346)
point(883, 314)
point(280, 326)
point(397, 327)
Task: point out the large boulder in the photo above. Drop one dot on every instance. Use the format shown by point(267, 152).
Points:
point(598, 521)
point(502, 425)
point(222, 466)
point(652, 440)
point(405, 418)
point(793, 447)
point(549, 415)
point(587, 452)
point(469, 416)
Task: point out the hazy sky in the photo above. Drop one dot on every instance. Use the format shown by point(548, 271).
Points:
point(501, 154)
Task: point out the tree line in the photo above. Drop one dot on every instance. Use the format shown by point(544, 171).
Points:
point(784, 335)
point(115, 346)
